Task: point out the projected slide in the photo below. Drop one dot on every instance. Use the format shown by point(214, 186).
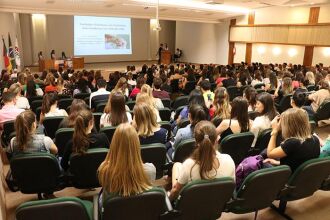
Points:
point(102, 35)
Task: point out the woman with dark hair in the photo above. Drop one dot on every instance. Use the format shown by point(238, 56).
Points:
point(251, 96)
point(5, 82)
point(139, 83)
point(267, 111)
point(257, 78)
point(206, 162)
point(239, 121)
point(115, 112)
point(52, 85)
point(82, 87)
point(83, 137)
point(32, 90)
point(49, 107)
point(273, 82)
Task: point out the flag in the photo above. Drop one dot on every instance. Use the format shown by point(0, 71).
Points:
point(5, 56)
point(17, 56)
point(11, 53)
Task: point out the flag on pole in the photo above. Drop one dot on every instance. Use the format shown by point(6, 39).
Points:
point(17, 56)
point(5, 56)
point(11, 53)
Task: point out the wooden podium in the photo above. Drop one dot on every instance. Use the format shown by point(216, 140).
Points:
point(75, 63)
point(166, 57)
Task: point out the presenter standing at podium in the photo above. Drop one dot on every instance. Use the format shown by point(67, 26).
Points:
point(160, 49)
point(52, 55)
point(40, 56)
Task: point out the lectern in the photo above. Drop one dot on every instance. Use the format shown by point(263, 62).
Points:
point(166, 57)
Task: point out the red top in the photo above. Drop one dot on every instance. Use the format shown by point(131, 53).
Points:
point(134, 92)
point(50, 88)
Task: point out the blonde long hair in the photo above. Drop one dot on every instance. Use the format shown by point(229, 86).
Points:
point(145, 119)
point(122, 171)
point(146, 95)
point(221, 103)
point(294, 123)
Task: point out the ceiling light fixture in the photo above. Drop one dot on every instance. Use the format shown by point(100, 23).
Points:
point(157, 26)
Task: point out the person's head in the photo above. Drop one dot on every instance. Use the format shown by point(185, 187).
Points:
point(145, 119)
point(121, 84)
point(25, 125)
point(145, 98)
point(196, 114)
point(324, 85)
point(52, 80)
point(31, 88)
point(294, 123)
point(250, 94)
point(239, 111)
point(101, 83)
point(205, 85)
point(157, 83)
point(82, 127)
point(265, 105)
point(115, 109)
point(140, 82)
point(48, 101)
point(298, 99)
point(82, 85)
point(123, 164)
point(21, 78)
point(161, 45)
point(53, 51)
point(204, 154)
point(8, 98)
point(287, 85)
point(77, 105)
point(16, 89)
point(221, 103)
point(310, 77)
point(257, 75)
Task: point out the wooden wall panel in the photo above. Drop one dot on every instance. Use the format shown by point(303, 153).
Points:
point(251, 18)
point(314, 13)
point(308, 56)
point(248, 54)
point(231, 45)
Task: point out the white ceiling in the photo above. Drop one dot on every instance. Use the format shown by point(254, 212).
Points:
point(187, 10)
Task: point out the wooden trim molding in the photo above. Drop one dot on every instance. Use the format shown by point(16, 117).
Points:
point(314, 13)
point(248, 53)
point(231, 45)
point(251, 18)
point(281, 25)
point(308, 56)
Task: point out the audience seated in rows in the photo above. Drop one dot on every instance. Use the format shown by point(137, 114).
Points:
point(9, 111)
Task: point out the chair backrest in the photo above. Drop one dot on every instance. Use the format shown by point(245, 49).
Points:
point(237, 145)
point(232, 92)
point(31, 99)
point(175, 85)
point(63, 96)
point(100, 107)
point(184, 150)
point(308, 178)
point(323, 112)
point(130, 104)
point(263, 139)
point(155, 154)
point(166, 103)
point(97, 117)
point(109, 132)
point(62, 137)
point(98, 99)
point(310, 88)
point(259, 85)
point(205, 199)
point(54, 209)
point(83, 167)
point(178, 111)
point(148, 205)
point(35, 172)
point(165, 114)
point(285, 103)
point(81, 95)
point(190, 86)
point(166, 125)
point(8, 129)
point(35, 104)
point(38, 112)
point(180, 101)
point(183, 123)
point(64, 103)
point(51, 125)
point(255, 193)
point(253, 114)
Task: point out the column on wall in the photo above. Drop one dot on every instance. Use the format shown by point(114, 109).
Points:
point(309, 50)
point(231, 53)
point(39, 36)
point(248, 52)
point(153, 40)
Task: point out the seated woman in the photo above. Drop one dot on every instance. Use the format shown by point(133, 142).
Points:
point(49, 107)
point(266, 108)
point(145, 98)
point(32, 89)
point(205, 162)
point(251, 96)
point(76, 106)
point(298, 145)
point(115, 112)
point(121, 86)
point(123, 172)
point(145, 123)
point(196, 114)
point(282, 90)
point(318, 97)
point(51, 87)
point(83, 138)
point(82, 87)
point(157, 102)
point(221, 105)
point(239, 121)
point(21, 101)
point(26, 139)
point(139, 83)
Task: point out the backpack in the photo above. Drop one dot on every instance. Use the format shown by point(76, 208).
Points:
point(247, 166)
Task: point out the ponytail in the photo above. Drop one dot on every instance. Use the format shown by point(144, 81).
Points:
point(48, 100)
point(80, 137)
point(205, 153)
point(23, 127)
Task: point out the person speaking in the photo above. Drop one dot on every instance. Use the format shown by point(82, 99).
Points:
point(52, 55)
